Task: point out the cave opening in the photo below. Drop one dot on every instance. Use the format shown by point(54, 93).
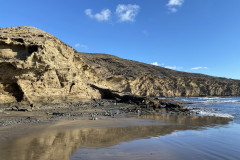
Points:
point(15, 90)
point(32, 49)
point(20, 40)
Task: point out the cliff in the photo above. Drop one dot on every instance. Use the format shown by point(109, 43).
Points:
point(149, 80)
point(35, 66)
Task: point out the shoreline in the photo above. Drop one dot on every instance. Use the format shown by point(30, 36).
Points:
point(89, 112)
point(101, 113)
point(17, 113)
point(58, 136)
point(177, 122)
point(62, 138)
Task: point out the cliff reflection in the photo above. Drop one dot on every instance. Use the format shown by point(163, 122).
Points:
point(55, 145)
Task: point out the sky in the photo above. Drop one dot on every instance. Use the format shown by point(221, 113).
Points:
point(199, 36)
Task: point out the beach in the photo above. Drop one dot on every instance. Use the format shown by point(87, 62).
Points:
point(151, 136)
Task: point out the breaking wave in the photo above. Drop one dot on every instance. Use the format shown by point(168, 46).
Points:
point(214, 106)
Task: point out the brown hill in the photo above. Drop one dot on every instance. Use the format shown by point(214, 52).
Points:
point(36, 66)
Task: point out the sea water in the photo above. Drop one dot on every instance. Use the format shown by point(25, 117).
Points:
point(214, 106)
point(221, 143)
point(210, 142)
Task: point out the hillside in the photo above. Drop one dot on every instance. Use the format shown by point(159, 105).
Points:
point(149, 80)
point(36, 66)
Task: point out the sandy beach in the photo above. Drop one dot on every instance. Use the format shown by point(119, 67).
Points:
point(62, 137)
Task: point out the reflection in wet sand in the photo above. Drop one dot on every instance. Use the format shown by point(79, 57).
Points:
point(57, 145)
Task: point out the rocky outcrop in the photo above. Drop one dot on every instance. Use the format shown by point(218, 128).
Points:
point(36, 66)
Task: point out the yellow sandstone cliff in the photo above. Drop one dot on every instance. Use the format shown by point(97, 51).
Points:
point(35, 66)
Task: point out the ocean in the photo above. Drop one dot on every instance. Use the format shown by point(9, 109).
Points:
point(214, 106)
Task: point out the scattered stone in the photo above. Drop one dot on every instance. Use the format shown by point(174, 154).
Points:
point(32, 106)
point(139, 112)
point(25, 110)
point(94, 116)
point(57, 114)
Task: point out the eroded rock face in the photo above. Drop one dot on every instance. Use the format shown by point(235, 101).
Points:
point(36, 66)
point(148, 80)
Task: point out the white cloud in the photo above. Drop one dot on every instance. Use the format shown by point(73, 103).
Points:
point(169, 67)
point(173, 10)
point(127, 12)
point(78, 45)
point(197, 68)
point(104, 15)
point(173, 4)
point(173, 67)
point(157, 64)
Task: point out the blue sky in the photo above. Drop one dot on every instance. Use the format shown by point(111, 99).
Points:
point(201, 36)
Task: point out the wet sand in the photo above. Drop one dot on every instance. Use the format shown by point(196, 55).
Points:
point(107, 138)
point(67, 131)
point(217, 143)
